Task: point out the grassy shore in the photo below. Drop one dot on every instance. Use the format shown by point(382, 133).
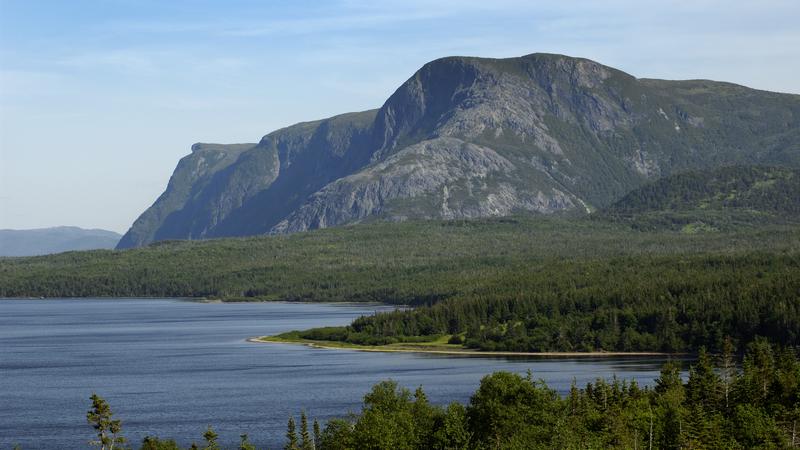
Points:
point(438, 346)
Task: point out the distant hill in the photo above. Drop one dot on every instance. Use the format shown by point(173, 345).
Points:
point(713, 198)
point(474, 137)
point(45, 241)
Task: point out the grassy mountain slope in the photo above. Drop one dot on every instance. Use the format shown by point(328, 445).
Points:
point(710, 200)
point(768, 189)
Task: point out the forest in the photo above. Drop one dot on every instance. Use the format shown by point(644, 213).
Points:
point(726, 403)
point(514, 284)
point(675, 265)
point(667, 304)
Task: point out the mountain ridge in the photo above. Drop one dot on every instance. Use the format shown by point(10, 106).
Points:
point(43, 241)
point(473, 137)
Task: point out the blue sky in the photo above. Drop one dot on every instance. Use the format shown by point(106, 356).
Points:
point(99, 99)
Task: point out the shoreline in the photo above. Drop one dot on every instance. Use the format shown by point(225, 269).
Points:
point(453, 352)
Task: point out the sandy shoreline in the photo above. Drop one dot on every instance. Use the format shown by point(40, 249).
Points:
point(258, 340)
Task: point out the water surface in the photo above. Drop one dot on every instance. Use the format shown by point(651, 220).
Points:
point(171, 367)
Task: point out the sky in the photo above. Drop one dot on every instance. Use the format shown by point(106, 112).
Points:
point(100, 99)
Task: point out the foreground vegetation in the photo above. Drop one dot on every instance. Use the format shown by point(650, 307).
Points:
point(720, 406)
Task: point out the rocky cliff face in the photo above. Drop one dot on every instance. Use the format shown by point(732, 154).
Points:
point(471, 137)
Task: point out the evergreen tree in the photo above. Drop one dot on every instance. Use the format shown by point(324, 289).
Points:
point(670, 409)
point(669, 378)
point(210, 436)
point(758, 370)
point(101, 419)
point(704, 387)
point(244, 443)
point(727, 371)
point(317, 435)
point(305, 437)
point(291, 435)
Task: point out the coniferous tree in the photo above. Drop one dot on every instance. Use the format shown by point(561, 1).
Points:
point(305, 437)
point(317, 435)
point(669, 378)
point(291, 435)
point(670, 410)
point(210, 436)
point(244, 443)
point(727, 371)
point(758, 369)
point(704, 386)
point(101, 419)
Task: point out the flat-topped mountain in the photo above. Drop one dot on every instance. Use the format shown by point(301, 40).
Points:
point(43, 241)
point(472, 137)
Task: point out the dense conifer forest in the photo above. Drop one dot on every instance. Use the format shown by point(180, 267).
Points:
point(403, 263)
point(664, 304)
point(513, 284)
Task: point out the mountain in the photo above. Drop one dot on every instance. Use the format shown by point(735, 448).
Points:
point(45, 241)
point(471, 137)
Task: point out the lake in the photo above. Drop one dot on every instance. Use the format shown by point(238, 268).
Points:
point(171, 367)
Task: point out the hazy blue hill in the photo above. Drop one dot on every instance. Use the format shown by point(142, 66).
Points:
point(45, 241)
point(475, 137)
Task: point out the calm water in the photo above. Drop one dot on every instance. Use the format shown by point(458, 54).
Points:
point(171, 367)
